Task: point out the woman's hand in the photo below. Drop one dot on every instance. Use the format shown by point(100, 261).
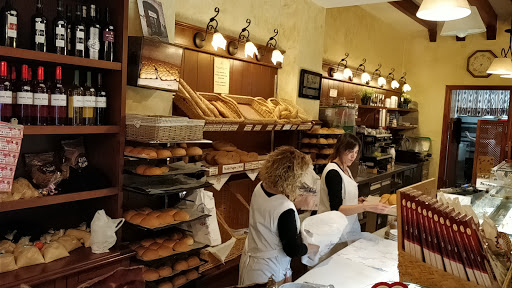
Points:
point(361, 200)
point(378, 208)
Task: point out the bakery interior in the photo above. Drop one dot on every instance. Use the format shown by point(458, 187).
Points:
point(148, 182)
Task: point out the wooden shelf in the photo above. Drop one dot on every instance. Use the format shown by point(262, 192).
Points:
point(58, 59)
point(402, 128)
point(56, 199)
point(78, 260)
point(51, 130)
point(387, 108)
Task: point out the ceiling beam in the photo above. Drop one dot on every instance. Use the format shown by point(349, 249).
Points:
point(409, 8)
point(488, 15)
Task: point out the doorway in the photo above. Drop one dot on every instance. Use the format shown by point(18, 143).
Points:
point(466, 107)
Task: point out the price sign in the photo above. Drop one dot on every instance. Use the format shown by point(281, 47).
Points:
point(270, 127)
point(232, 168)
point(304, 127)
point(294, 127)
point(287, 127)
point(252, 165)
point(279, 127)
point(233, 127)
point(257, 128)
point(212, 171)
point(208, 127)
point(225, 128)
point(217, 127)
point(248, 127)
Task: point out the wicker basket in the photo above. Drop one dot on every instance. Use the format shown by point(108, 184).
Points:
point(154, 129)
point(226, 234)
point(302, 118)
point(230, 104)
point(193, 112)
point(266, 115)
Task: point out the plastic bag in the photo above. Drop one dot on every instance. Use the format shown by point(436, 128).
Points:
point(324, 230)
point(206, 230)
point(308, 194)
point(44, 170)
point(103, 232)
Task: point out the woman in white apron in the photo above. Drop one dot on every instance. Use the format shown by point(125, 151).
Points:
point(338, 190)
point(273, 221)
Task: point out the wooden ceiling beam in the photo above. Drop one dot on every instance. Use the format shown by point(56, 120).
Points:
point(488, 15)
point(409, 8)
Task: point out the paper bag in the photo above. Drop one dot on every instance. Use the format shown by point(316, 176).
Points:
point(205, 230)
point(103, 232)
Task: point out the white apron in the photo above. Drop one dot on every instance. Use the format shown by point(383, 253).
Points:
point(263, 254)
point(350, 195)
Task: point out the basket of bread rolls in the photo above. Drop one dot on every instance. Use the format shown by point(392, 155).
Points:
point(207, 106)
point(169, 269)
point(161, 219)
point(253, 110)
point(160, 128)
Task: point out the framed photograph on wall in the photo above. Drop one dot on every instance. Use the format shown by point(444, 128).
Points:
point(310, 84)
point(152, 19)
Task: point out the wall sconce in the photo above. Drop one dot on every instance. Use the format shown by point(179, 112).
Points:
point(277, 56)
point(381, 81)
point(406, 87)
point(342, 66)
point(503, 66)
point(391, 76)
point(218, 40)
point(365, 77)
point(250, 49)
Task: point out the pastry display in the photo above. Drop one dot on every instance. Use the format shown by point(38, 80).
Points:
point(150, 68)
point(149, 249)
point(326, 131)
point(226, 153)
point(285, 110)
point(156, 219)
point(162, 153)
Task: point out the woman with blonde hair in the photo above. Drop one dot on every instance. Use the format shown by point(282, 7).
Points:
point(273, 220)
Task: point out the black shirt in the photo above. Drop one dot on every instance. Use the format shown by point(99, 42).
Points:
point(287, 228)
point(334, 184)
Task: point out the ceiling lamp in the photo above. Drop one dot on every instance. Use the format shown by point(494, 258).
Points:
point(406, 88)
point(502, 66)
point(472, 24)
point(341, 71)
point(250, 49)
point(391, 76)
point(381, 81)
point(277, 56)
point(365, 77)
point(443, 10)
point(218, 40)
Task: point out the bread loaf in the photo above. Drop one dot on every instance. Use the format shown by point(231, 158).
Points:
point(165, 285)
point(164, 271)
point(392, 199)
point(145, 210)
point(315, 131)
point(249, 157)
point(181, 246)
point(224, 146)
point(153, 171)
point(179, 280)
point(193, 261)
point(137, 218)
point(163, 153)
point(322, 141)
point(194, 151)
point(127, 149)
point(150, 221)
point(178, 152)
point(164, 169)
point(313, 140)
point(305, 150)
point(151, 275)
point(180, 265)
point(181, 216)
point(188, 239)
point(155, 245)
point(191, 275)
point(140, 169)
point(210, 107)
point(128, 214)
point(137, 151)
point(165, 219)
point(154, 213)
point(384, 198)
point(196, 99)
point(176, 236)
point(305, 140)
point(160, 239)
point(147, 242)
point(169, 243)
point(210, 158)
point(150, 254)
point(227, 158)
point(165, 250)
point(140, 250)
point(223, 110)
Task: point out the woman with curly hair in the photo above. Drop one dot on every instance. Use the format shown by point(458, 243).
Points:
point(273, 220)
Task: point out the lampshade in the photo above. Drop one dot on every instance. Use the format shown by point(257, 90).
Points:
point(218, 41)
point(366, 78)
point(338, 75)
point(500, 66)
point(472, 24)
point(381, 82)
point(250, 49)
point(347, 74)
point(394, 84)
point(406, 88)
point(443, 10)
point(277, 56)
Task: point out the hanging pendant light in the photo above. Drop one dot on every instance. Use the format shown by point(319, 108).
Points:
point(472, 24)
point(503, 66)
point(443, 10)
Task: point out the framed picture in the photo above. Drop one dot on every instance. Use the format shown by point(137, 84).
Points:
point(310, 84)
point(152, 19)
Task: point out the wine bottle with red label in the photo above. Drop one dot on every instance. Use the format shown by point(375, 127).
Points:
point(25, 98)
point(41, 100)
point(58, 101)
point(5, 94)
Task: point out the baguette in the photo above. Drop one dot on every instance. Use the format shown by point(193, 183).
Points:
point(222, 109)
point(196, 99)
point(210, 107)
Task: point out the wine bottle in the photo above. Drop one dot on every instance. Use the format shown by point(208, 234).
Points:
point(39, 28)
point(108, 38)
point(89, 102)
point(15, 86)
point(9, 30)
point(75, 101)
point(5, 94)
point(60, 31)
point(79, 32)
point(101, 102)
point(25, 98)
point(93, 35)
point(58, 101)
point(69, 29)
point(41, 100)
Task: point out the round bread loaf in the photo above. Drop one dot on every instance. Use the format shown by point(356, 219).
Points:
point(183, 145)
point(305, 140)
point(169, 211)
point(154, 245)
point(165, 285)
point(210, 158)
point(150, 153)
point(140, 169)
point(305, 150)
point(181, 216)
point(180, 265)
point(240, 152)
point(178, 152)
point(227, 158)
point(151, 275)
point(193, 261)
point(150, 254)
point(165, 219)
point(163, 153)
point(179, 280)
point(165, 250)
point(314, 150)
point(181, 246)
point(224, 146)
point(137, 151)
point(128, 214)
point(176, 235)
point(313, 140)
point(191, 275)
point(170, 243)
point(392, 199)
point(249, 157)
point(384, 198)
point(140, 250)
point(194, 151)
point(315, 131)
point(324, 131)
point(164, 271)
point(165, 169)
point(145, 210)
point(151, 148)
point(154, 213)
point(127, 149)
point(152, 171)
point(150, 221)
point(147, 242)
point(188, 239)
point(322, 141)
point(137, 218)
point(331, 140)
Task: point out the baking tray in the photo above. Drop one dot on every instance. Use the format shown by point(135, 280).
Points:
point(133, 157)
point(194, 216)
point(174, 273)
point(160, 185)
point(193, 248)
point(174, 169)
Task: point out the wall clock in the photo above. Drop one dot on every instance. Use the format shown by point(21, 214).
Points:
point(479, 62)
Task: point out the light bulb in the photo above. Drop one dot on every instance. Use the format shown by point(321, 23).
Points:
point(277, 56)
point(218, 41)
point(406, 88)
point(394, 84)
point(381, 82)
point(366, 78)
point(250, 49)
point(347, 74)
point(443, 10)
point(338, 75)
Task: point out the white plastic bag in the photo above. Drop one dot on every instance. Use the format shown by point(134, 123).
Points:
point(308, 194)
point(323, 230)
point(103, 232)
point(206, 230)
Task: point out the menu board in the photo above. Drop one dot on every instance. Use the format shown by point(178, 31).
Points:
point(221, 75)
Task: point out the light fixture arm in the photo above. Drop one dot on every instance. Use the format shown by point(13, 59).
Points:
point(241, 36)
point(391, 74)
point(504, 53)
point(209, 26)
point(343, 62)
point(377, 72)
point(271, 43)
point(402, 79)
point(361, 66)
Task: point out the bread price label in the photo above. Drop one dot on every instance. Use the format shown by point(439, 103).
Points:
point(208, 127)
point(233, 127)
point(252, 165)
point(212, 171)
point(232, 168)
point(257, 128)
point(287, 127)
point(225, 128)
point(217, 127)
point(248, 127)
point(294, 127)
point(279, 127)
point(270, 127)
point(305, 127)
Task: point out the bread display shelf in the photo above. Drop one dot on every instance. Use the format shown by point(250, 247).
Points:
point(132, 157)
point(324, 134)
point(164, 185)
point(233, 168)
point(173, 170)
point(154, 284)
point(174, 273)
point(193, 217)
point(193, 248)
point(254, 127)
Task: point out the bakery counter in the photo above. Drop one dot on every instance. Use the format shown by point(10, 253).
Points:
point(399, 167)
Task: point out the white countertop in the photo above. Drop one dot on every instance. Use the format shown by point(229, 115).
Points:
point(360, 265)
